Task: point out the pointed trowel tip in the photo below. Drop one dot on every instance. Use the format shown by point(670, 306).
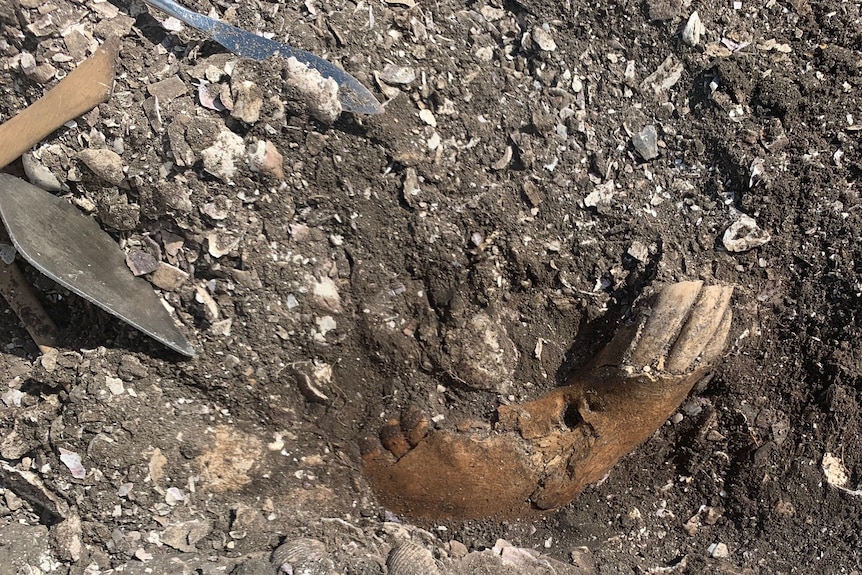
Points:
point(360, 103)
point(183, 347)
point(171, 337)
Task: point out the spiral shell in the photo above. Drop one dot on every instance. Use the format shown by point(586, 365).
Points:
point(302, 557)
point(408, 558)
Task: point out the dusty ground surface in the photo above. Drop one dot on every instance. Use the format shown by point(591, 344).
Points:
point(502, 180)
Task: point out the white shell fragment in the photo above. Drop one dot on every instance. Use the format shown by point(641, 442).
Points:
point(321, 94)
point(693, 30)
point(756, 171)
point(183, 536)
point(221, 158)
point(664, 78)
point(428, 117)
point(504, 159)
point(397, 75)
point(306, 556)
point(646, 143)
point(744, 234)
point(168, 277)
point(602, 195)
point(543, 39)
point(530, 561)
point(324, 292)
point(173, 495)
point(409, 558)
point(203, 297)
point(220, 245)
point(73, 461)
point(39, 175)
point(309, 387)
point(837, 474)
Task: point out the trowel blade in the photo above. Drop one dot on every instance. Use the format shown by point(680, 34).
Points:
point(71, 249)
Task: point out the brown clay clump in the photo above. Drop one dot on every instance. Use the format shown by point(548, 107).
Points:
point(542, 453)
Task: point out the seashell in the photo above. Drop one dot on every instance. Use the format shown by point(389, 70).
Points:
point(302, 557)
point(408, 558)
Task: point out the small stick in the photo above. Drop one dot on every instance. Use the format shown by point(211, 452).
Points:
point(17, 293)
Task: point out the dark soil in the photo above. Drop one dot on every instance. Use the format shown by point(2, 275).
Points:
point(356, 274)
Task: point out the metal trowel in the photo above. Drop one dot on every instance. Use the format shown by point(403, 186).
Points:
point(53, 235)
point(352, 94)
point(71, 249)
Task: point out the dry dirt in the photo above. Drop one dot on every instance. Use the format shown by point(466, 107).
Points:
point(502, 182)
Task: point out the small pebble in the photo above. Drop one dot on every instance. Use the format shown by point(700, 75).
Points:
point(458, 549)
point(248, 101)
point(168, 89)
point(265, 158)
point(398, 75)
point(693, 30)
point(44, 73)
point(7, 253)
point(115, 385)
point(104, 163)
point(27, 62)
point(221, 327)
point(744, 234)
point(646, 143)
point(325, 295)
point(411, 189)
point(325, 324)
point(531, 191)
point(141, 262)
point(543, 39)
point(434, 141)
point(168, 277)
point(639, 251)
point(428, 117)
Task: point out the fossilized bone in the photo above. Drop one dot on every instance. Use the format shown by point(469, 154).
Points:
point(541, 454)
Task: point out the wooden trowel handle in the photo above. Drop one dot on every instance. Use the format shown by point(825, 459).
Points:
point(83, 89)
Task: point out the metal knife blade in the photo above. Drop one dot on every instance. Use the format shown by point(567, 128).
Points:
point(352, 94)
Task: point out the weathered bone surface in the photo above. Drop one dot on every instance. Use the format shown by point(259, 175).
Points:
point(542, 453)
